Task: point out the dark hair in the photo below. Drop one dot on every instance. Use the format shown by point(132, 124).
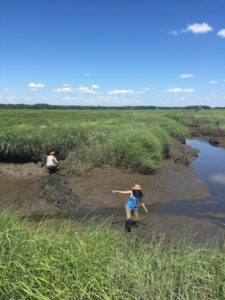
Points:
point(138, 193)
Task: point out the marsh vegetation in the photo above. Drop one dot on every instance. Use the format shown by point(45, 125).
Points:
point(68, 260)
point(132, 140)
point(55, 259)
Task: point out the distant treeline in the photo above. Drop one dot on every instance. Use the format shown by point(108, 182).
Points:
point(48, 106)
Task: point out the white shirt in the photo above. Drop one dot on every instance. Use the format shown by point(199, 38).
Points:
point(50, 162)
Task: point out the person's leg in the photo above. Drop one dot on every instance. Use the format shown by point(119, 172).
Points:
point(128, 213)
point(128, 221)
point(136, 215)
point(135, 218)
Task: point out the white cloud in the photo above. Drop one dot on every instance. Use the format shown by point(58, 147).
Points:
point(197, 28)
point(187, 75)
point(35, 86)
point(221, 33)
point(212, 82)
point(95, 86)
point(124, 92)
point(88, 90)
point(65, 89)
point(173, 32)
point(218, 178)
point(147, 88)
point(87, 74)
point(180, 90)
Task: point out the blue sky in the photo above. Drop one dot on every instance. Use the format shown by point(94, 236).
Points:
point(115, 52)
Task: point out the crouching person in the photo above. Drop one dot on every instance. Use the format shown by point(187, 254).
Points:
point(52, 163)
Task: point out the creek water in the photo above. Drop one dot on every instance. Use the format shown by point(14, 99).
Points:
point(210, 170)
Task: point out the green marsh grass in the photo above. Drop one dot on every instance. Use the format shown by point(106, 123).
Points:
point(138, 150)
point(212, 119)
point(87, 139)
point(132, 140)
point(93, 261)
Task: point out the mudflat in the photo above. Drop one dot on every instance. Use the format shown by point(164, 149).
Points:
point(28, 190)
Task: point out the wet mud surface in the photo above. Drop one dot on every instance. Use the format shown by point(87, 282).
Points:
point(28, 190)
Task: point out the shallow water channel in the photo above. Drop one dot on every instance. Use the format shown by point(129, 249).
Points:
point(210, 169)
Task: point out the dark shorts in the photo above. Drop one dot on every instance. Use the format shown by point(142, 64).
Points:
point(52, 169)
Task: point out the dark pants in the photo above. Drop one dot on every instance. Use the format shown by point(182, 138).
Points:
point(52, 169)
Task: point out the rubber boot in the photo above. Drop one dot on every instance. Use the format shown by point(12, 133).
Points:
point(128, 225)
point(135, 223)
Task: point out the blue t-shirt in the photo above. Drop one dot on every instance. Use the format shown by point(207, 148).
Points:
point(132, 202)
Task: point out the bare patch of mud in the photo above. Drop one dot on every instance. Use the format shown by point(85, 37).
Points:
point(26, 170)
point(172, 182)
point(20, 194)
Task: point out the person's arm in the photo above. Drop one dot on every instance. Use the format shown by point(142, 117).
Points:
point(145, 208)
point(121, 192)
point(55, 160)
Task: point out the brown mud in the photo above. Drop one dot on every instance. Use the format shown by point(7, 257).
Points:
point(28, 190)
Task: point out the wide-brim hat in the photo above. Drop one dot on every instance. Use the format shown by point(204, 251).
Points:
point(52, 153)
point(137, 187)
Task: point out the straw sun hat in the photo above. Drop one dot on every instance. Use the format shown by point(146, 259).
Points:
point(137, 187)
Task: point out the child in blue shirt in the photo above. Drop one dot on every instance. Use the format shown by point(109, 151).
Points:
point(134, 199)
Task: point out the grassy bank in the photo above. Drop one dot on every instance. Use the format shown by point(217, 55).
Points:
point(79, 261)
point(213, 119)
point(132, 140)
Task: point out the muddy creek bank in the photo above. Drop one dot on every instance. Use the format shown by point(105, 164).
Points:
point(28, 190)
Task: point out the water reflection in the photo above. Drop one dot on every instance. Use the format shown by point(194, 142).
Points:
point(210, 169)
